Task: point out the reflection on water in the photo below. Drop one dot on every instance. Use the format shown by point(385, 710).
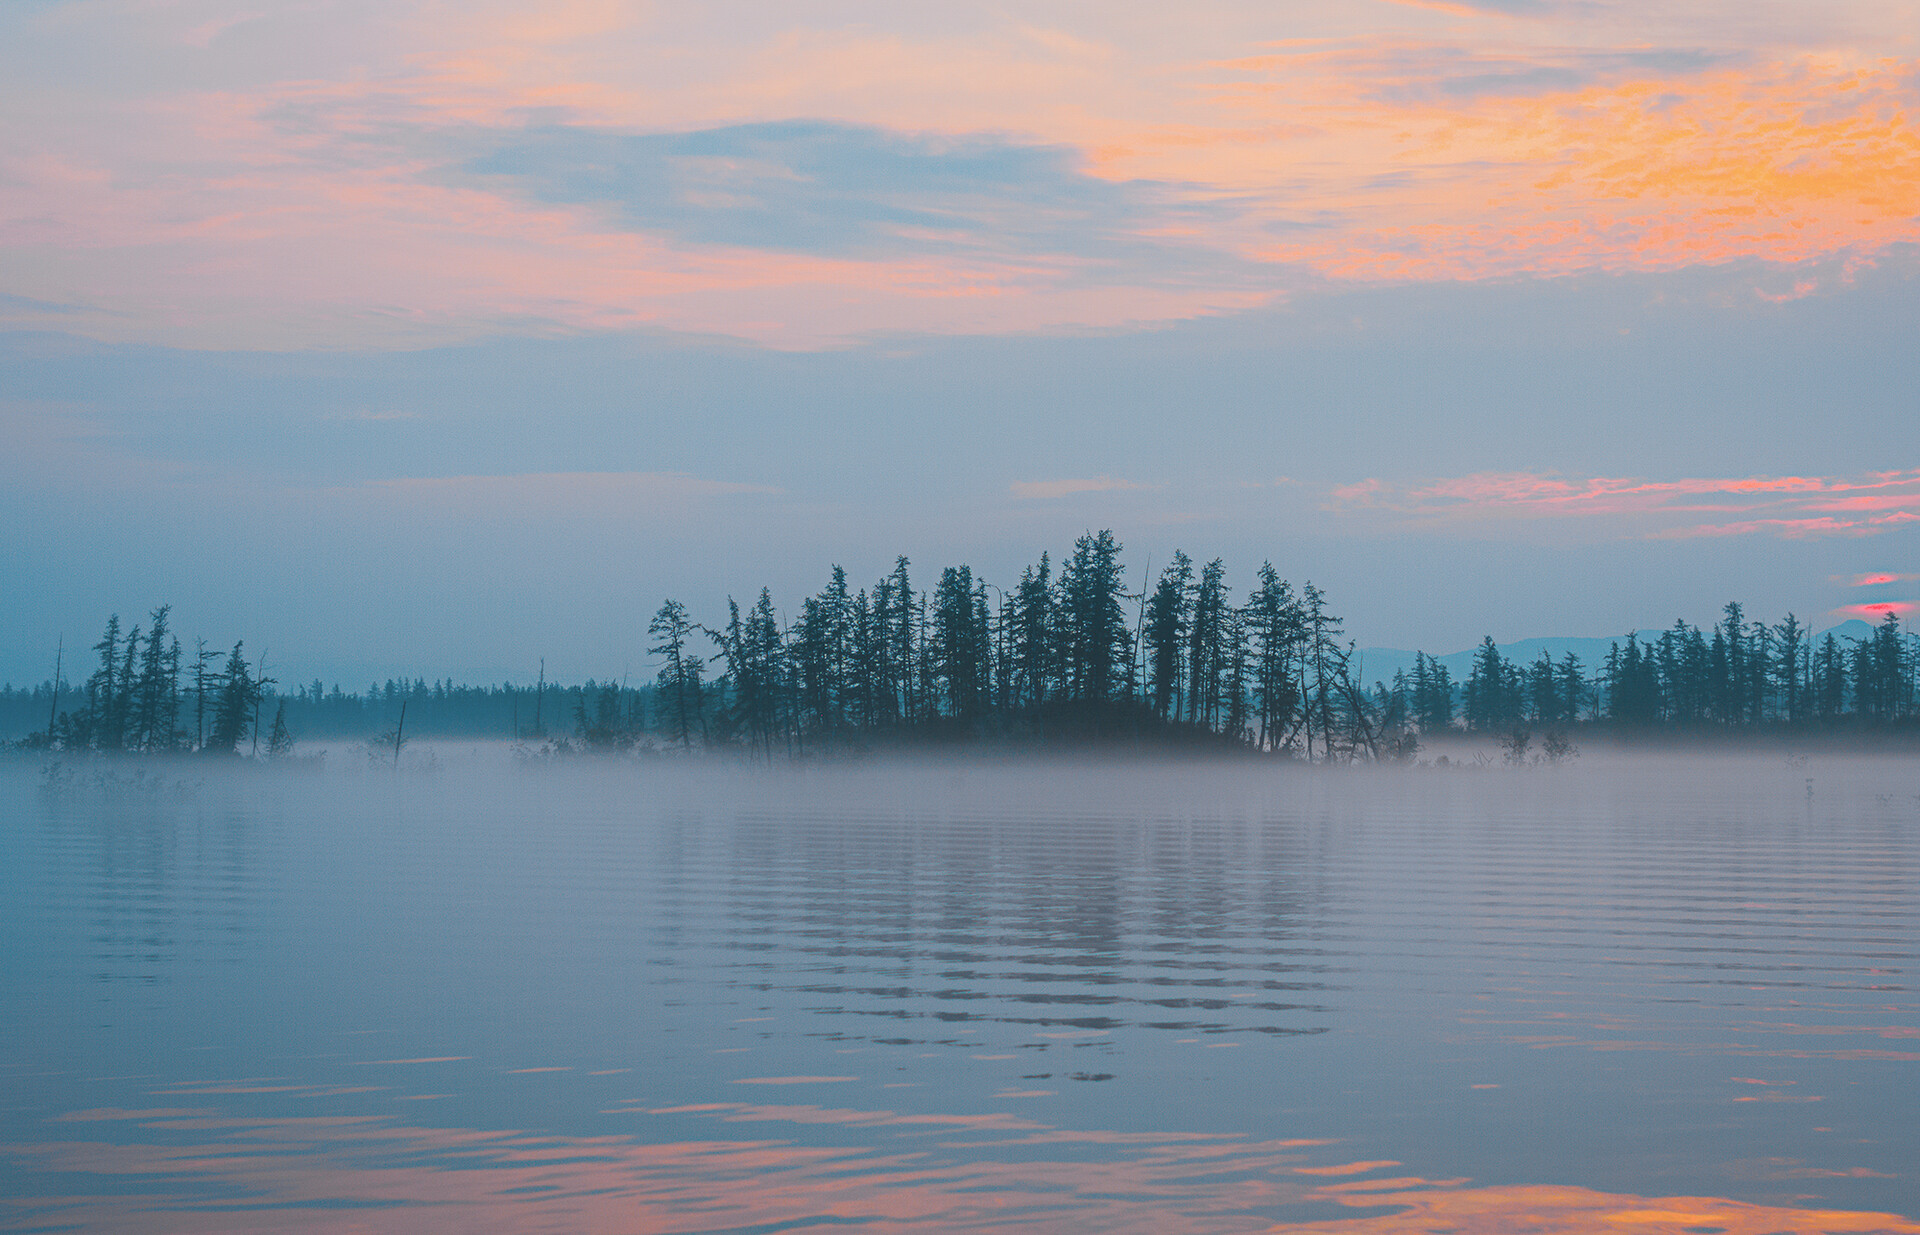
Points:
point(987, 1173)
point(1664, 997)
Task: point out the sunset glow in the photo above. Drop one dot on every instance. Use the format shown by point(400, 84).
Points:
point(423, 175)
point(1157, 1183)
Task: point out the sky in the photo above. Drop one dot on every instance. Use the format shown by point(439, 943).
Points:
point(433, 338)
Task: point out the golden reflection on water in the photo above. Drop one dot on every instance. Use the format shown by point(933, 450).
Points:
point(201, 1171)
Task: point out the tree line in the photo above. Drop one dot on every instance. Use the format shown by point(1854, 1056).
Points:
point(1069, 651)
point(1737, 675)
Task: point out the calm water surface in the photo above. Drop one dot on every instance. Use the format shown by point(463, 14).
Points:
point(1647, 996)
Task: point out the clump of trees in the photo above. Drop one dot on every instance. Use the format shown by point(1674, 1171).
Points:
point(1064, 654)
point(147, 697)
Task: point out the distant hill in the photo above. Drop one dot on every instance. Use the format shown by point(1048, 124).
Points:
point(1380, 664)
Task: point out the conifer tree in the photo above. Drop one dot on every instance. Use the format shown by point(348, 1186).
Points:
point(1790, 648)
point(1034, 671)
point(234, 705)
point(679, 678)
point(905, 623)
point(1829, 680)
point(1094, 639)
point(1573, 687)
point(1320, 659)
point(961, 644)
point(1486, 689)
point(155, 692)
point(103, 688)
point(1432, 694)
point(1206, 660)
point(1275, 631)
point(866, 651)
point(1166, 634)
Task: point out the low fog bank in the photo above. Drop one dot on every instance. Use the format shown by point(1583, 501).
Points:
point(492, 776)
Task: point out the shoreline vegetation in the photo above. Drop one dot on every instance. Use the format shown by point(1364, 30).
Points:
point(1067, 659)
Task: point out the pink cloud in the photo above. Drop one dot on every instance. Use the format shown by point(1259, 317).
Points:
point(1787, 506)
point(1876, 611)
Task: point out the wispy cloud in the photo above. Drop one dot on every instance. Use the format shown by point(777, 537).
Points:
point(851, 190)
point(23, 310)
point(1873, 578)
point(1789, 506)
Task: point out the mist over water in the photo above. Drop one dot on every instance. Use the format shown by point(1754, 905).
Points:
point(947, 995)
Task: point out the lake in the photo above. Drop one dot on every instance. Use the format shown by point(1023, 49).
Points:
point(1650, 994)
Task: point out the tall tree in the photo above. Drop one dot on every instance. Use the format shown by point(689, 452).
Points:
point(1206, 661)
point(1543, 690)
point(103, 688)
point(1275, 631)
point(155, 692)
point(234, 705)
point(1790, 644)
point(1094, 629)
point(1573, 687)
point(1165, 634)
point(1828, 680)
point(1881, 688)
point(1431, 694)
point(1034, 671)
point(1321, 661)
point(961, 645)
point(1486, 696)
point(905, 621)
point(680, 674)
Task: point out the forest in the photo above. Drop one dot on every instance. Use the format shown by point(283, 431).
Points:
point(1067, 655)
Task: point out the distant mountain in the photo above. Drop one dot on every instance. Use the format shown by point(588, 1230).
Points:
point(1380, 664)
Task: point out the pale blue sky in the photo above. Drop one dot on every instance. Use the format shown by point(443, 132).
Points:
point(466, 510)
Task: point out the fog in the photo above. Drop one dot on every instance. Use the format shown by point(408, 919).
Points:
point(1463, 772)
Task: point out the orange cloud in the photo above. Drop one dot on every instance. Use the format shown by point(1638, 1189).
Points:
point(1783, 162)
